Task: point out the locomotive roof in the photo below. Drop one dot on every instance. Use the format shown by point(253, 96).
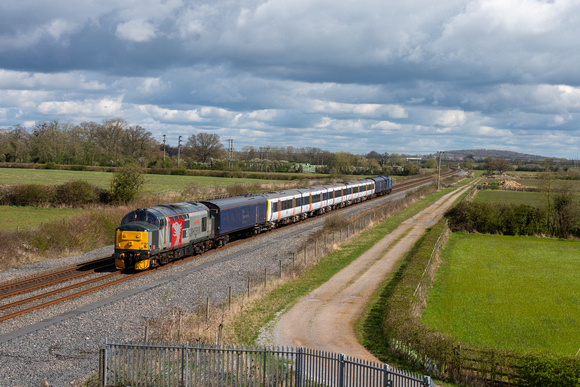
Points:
point(235, 201)
point(176, 208)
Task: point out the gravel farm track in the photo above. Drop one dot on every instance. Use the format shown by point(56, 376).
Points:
point(325, 318)
point(60, 343)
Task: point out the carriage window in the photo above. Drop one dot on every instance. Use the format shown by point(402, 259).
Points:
point(315, 198)
point(274, 206)
point(286, 204)
point(306, 200)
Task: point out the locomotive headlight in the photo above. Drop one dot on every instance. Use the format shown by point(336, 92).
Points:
point(138, 236)
point(124, 236)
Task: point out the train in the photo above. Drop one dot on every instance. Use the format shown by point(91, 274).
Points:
point(155, 236)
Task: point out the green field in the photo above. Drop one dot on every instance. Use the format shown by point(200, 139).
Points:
point(508, 292)
point(154, 184)
point(535, 199)
point(28, 217)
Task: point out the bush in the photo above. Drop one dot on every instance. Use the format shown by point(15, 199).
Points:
point(30, 195)
point(548, 371)
point(178, 172)
point(77, 193)
point(50, 165)
point(78, 167)
point(497, 218)
point(126, 184)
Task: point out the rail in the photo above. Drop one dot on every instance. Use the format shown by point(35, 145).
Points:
point(173, 364)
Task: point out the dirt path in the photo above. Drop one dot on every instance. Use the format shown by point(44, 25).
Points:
point(324, 319)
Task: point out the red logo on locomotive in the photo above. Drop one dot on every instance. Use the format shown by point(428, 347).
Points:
point(175, 229)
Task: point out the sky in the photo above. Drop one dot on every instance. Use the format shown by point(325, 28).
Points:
point(413, 76)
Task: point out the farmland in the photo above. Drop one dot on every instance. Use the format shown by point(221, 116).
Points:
point(154, 183)
point(28, 217)
point(535, 199)
point(508, 292)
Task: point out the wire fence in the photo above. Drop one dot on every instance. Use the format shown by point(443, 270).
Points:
point(174, 364)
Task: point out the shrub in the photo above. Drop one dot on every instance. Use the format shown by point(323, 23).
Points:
point(77, 193)
point(126, 184)
point(236, 190)
point(548, 371)
point(31, 195)
point(50, 165)
point(497, 218)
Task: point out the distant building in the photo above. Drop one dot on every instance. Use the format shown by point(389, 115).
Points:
point(306, 167)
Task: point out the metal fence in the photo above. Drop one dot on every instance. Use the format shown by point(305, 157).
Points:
point(170, 364)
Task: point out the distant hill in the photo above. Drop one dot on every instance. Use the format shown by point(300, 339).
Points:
point(480, 154)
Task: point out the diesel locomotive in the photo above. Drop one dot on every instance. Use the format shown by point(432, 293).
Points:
point(149, 237)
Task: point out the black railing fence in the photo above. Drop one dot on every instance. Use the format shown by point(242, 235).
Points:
point(173, 364)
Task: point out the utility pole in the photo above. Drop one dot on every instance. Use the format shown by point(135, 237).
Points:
point(439, 171)
point(230, 152)
point(164, 147)
point(178, 151)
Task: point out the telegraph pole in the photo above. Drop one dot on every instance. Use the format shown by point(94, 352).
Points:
point(230, 152)
point(178, 151)
point(439, 171)
point(164, 147)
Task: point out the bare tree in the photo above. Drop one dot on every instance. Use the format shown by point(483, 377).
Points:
point(205, 146)
point(502, 165)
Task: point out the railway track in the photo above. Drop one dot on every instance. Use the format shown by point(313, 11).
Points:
point(25, 296)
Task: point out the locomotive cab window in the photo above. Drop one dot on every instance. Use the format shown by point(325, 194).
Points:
point(204, 224)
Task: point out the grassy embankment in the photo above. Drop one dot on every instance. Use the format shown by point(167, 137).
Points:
point(508, 292)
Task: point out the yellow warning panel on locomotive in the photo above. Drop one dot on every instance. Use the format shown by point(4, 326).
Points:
point(132, 240)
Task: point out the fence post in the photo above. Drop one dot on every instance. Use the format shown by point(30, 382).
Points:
point(299, 361)
point(207, 310)
point(102, 366)
point(341, 371)
point(186, 364)
point(387, 382)
point(315, 248)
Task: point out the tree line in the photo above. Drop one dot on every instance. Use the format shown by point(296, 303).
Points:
point(115, 142)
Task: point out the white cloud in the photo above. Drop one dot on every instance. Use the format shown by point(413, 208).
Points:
point(488, 131)
point(25, 80)
point(450, 118)
point(137, 30)
point(106, 107)
point(386, 126)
